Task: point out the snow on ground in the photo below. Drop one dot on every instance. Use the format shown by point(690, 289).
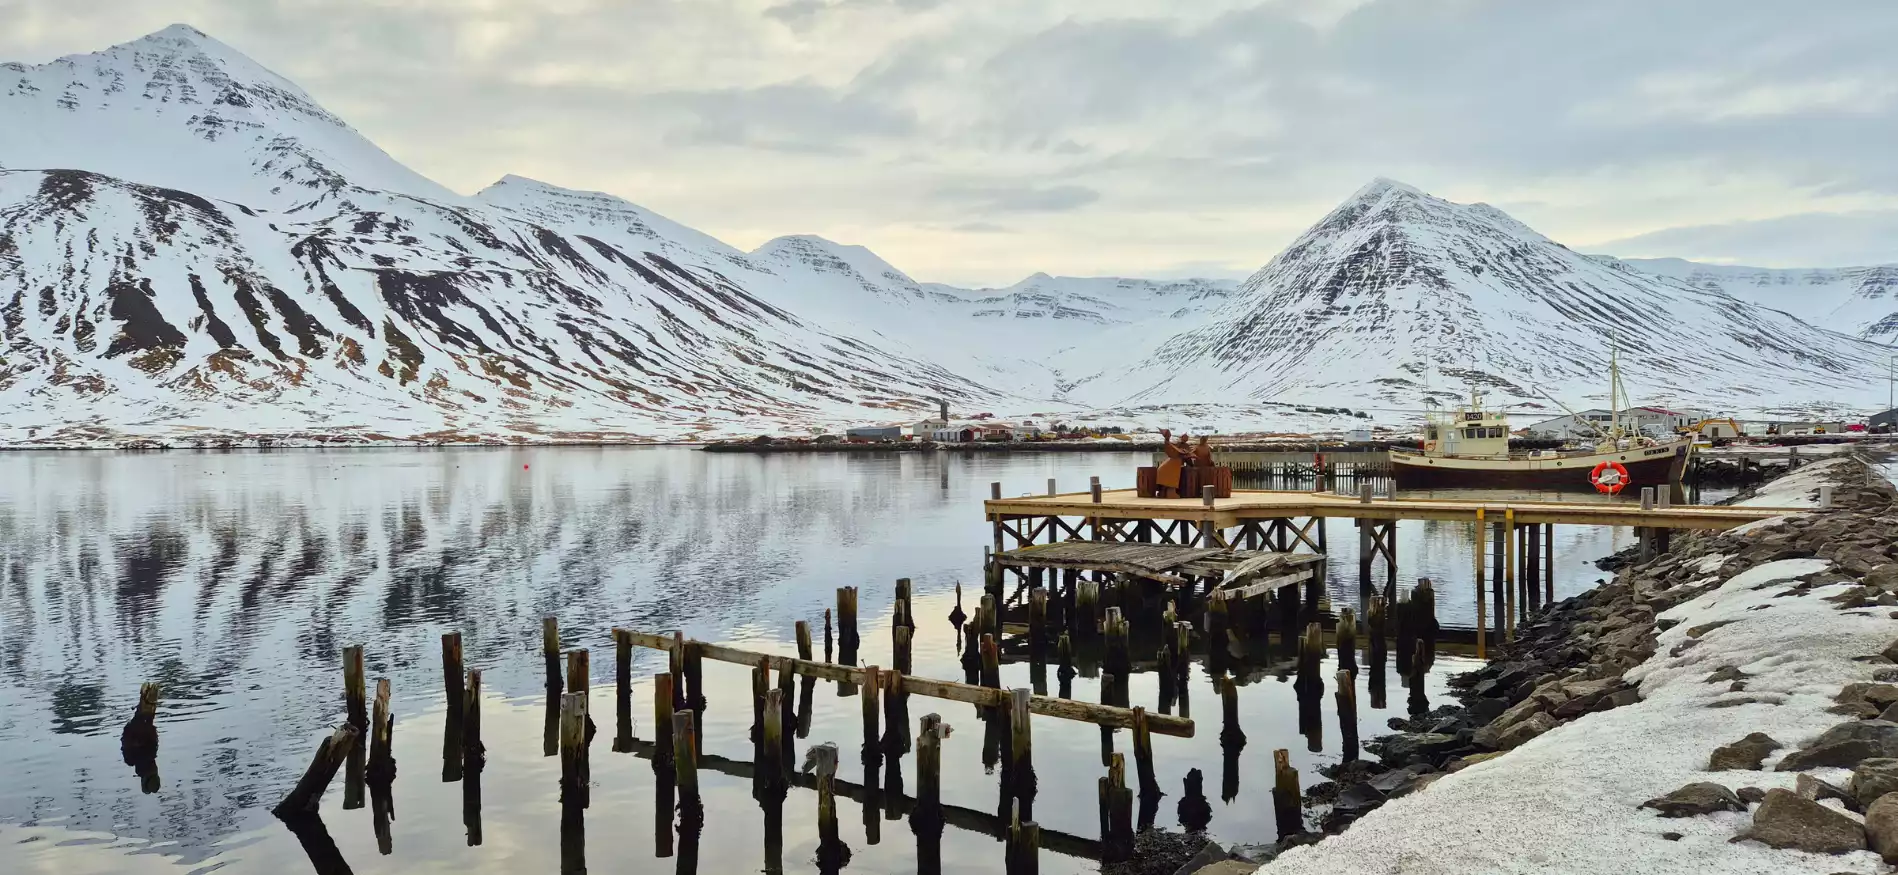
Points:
point(1568, 801)
point(1799, 489)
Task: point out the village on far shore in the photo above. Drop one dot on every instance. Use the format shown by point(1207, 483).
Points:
point(988, 428)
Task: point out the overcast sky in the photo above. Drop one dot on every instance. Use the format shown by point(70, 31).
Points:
point(978, 141)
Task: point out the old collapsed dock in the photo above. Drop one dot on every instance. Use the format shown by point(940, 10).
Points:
point(1521, 533)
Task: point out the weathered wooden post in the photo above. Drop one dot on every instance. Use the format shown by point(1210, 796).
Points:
point(929, 771)
point(991, 662)
point(685, 760)
point(662, 711)
point(1021, 751)
point(1087, 608)
point(1482, 600)
point(1311, 653)
point(1037, 622)
point(771, 770)
point(355, 689)
point(474, 754)
point(139, 739)
point(1119, 654)
point(1231, 736)
point(573, 732)
point(895, 720)
point(1420, 671)
point(622, 691)
point(1117, 815)
point(828, 650)
point(1347, 716)
point(381, 769)
point(305, 798)
point(1511, 534)
point(1024, 846)
point(787, 715)
point(1285, 795)
point(695, 687)
point(760, 685)
point(1348, 640)
point(872, 715)
point(832, 854)
point(355, 701)
point(1143, 755)
point(550, 648)
point(804, 640)
point(1374, 624)
point(1423, 614)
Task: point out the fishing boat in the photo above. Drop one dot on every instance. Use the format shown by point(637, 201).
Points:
point(1469, 449)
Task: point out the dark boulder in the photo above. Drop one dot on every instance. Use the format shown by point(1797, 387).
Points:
point(1701, 797)
point(1747, 753)
point(1787, 820)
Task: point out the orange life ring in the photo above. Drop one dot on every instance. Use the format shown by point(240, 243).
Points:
point(1610, 485)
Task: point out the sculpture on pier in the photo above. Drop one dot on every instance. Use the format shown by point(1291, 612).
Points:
point(1185, 470)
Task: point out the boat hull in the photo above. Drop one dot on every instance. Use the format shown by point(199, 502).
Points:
point(1647, 466)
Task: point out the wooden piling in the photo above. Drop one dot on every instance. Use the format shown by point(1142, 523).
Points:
point(1087, 608)
point(1311, 654)
point(1347, 636)
point(381, 769)
point(1482, 599)
point(828, 649)
point(1420, 670)
point(787, 715)
point(1117, 818)
point(1231, 736)
point(549, 638)
point(872, 714)
point(1119, 653)
point(662, 710)
point(804, 640)
point(847, 636)
point(772, 770)
point(1037, 620)
point(900, 647)
point(928, 811)
point(573, 732)
point(695, 686)
point(1021, 749)
point(452, 672)
point(1511, 535)
point(306, 797)
point(1374, 624)
point(139, 739)
point(760, 685)
point(896, 740)
point(1285, 795)
point(355, 690)
point(474, 754)
point(1423, 612)
point(622, 691)
point(1347, 697)
point(1023, 848)
point(685, 757)
point(831, 851)
point(1143, 755)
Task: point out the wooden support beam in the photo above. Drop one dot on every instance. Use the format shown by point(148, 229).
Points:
point(1065, 709)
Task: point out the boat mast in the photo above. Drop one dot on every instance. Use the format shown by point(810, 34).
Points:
point(1614, 390)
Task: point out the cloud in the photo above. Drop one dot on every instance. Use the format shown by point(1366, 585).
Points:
point(979, 228)
point(1022, 198)
point(1109, 136)
point(1803, 240)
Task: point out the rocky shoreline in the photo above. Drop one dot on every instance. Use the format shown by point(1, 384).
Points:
point(1590, 654)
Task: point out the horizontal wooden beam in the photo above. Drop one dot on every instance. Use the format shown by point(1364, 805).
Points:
point(954, 815)
point(1046, 706)
point(1269, 584)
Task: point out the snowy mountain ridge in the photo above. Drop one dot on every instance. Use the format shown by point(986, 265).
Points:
point(1861, 301)
point(193, 249)
point(1397, 295)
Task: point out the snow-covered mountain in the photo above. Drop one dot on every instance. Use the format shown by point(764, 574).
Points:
point(1861, 301)
point(1396, 293)
point(192, 248)
point(304, 283)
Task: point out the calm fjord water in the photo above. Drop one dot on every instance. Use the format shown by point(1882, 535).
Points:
point(234, 579)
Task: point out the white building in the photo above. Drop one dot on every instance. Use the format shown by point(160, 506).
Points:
point(1655, 421)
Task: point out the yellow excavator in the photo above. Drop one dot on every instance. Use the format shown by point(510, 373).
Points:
point(1709, 429)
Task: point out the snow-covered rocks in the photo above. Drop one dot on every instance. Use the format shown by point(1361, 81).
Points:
point(1789, 821)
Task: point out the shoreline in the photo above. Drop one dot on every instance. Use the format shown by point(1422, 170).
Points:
point(1626, 692)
